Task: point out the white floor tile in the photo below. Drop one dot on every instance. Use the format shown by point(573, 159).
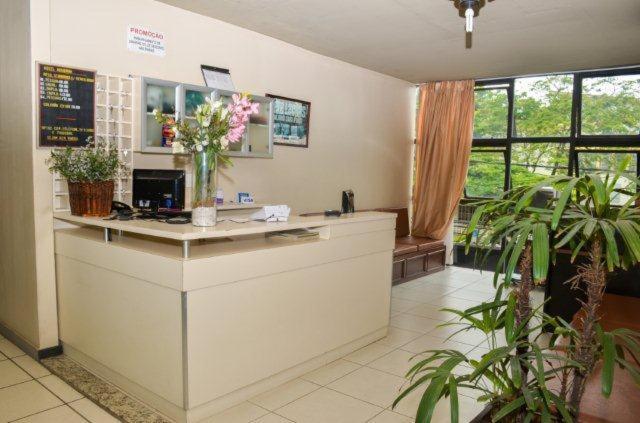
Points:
point(330, 372)
point(241, 413)
point(414, 323)
point(400, 305)
point(430, 342)
point(431, 311)
point(469, 294)
point(25, 399)
point(390, 417)
point(397, 362)
point(439, 288)
point(60, 388)
point(471, 337)
point(325, 405)
point(10, 374)
point(454, 303)
point(398, 337)
point(31, 366)
point(369, 353)
point(63, 414)
point(10, 350)
point(92, 412)
point(370, 385)
point(284, 394)
point(272, 418)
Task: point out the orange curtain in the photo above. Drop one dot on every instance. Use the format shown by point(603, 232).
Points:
point(443, 145)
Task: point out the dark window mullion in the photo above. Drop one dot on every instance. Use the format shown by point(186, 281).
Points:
point(510, 128)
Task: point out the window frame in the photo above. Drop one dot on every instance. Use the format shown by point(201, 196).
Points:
point(487, 151)
point(576, 140)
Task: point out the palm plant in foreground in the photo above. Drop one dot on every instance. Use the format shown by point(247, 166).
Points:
point(586, 220)
point(498, 376)
point(512, 376)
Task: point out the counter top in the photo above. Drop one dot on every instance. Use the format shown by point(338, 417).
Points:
point(223, 229)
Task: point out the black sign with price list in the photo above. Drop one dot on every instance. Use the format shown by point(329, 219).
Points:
point(66, 106)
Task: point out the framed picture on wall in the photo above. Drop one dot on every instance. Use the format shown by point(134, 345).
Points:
point(290, 121)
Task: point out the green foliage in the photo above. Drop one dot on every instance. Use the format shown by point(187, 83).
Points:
point(586, 211)
point(611, 106)
point(497, 375)
point(512, 222)
point(95, 162)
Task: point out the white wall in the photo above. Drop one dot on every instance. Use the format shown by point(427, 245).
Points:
point(360, 130)
point(18, 288)
point(360, 120)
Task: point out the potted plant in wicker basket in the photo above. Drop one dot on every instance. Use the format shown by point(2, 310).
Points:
point(90, 172)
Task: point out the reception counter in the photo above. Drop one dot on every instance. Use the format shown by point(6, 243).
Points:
point(194, 320)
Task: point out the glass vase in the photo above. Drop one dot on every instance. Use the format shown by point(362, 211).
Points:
point(205, 181)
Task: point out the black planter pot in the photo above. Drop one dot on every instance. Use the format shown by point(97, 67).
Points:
point(484, 416)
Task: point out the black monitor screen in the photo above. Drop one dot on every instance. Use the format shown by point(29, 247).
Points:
point(158, 189)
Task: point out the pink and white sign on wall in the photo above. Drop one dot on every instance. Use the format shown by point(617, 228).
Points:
point(146, 41)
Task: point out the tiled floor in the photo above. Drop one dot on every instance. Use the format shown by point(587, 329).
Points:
point(358, 388)
point(30, 393)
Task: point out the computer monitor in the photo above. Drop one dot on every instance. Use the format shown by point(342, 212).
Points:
point(158, 190)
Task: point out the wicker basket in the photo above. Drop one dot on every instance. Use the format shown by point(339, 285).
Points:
point(90, 198)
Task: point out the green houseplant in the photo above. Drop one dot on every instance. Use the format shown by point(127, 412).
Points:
point(90, 172)
point(512, 377)
point(585, 219)
point(581, 218)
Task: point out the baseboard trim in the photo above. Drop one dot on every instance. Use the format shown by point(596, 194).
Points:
point(50, 352)
point(25, 346)
point(19, 341)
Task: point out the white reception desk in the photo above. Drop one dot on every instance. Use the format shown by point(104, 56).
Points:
point(192, 320)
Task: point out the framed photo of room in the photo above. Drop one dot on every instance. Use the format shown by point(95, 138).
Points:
point(290, 121)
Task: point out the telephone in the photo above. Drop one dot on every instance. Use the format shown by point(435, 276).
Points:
point(348, 202)
point(120, 207)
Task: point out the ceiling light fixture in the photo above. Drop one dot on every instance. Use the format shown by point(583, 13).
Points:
point(468, 10)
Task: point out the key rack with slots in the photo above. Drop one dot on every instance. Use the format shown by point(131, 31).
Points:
point(114, 123)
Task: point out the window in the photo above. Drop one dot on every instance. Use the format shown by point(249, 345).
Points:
point(611, 105)
point(485, 177)
point(491, 113)
point(543, 106)
point(610, 160)
point(539, 121)
point(534, 162)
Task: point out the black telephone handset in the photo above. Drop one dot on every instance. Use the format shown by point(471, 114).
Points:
point(122, 211)
point(119, 207)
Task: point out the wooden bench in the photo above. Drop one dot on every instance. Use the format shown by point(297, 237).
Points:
point(414, 256)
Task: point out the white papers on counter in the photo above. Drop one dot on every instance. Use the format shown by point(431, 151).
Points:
point(272, 214)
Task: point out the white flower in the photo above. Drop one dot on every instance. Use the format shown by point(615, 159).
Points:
point(198, 147)
point(224, 142)
point(174, 128)
point(224, 113)
point(177, 147)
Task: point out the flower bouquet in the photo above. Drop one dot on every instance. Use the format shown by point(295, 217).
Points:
point(207, 136)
